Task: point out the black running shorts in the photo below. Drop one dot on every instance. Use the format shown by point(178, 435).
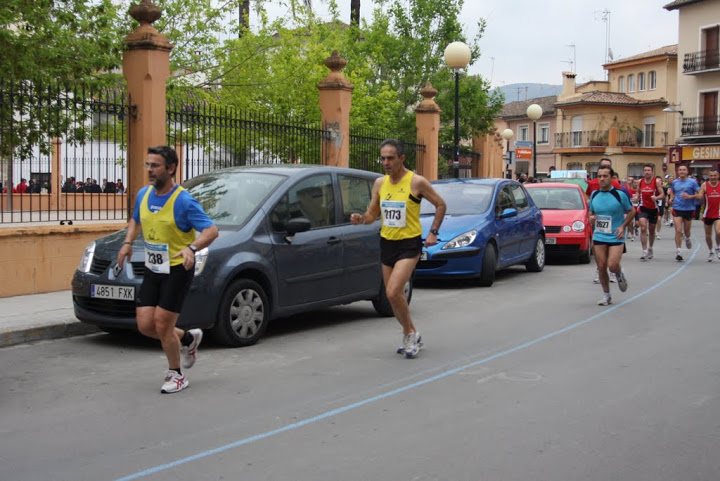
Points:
point(709, 221)
point(165, 290)
point(650, 214)
point(684, 214)
point(392, 251)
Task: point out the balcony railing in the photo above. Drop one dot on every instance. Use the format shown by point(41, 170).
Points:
point(599, 138)
point(697, 126)
point(701, 61)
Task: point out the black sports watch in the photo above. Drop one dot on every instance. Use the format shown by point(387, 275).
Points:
point(434, 231)
point(193, 248)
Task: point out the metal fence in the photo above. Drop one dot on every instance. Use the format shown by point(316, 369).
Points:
point(446, 162)
point(70, 145)
point(209, 137)
point(365, 151)
point(62, 153)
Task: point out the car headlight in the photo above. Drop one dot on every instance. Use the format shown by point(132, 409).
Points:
point(566, 228)
point(463, 240)
point(578, 226)
point(200, 260)
point(87, 258)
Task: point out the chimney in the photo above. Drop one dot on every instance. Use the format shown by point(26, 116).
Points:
point(568, 87)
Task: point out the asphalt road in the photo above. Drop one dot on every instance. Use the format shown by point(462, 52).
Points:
point(526, 380)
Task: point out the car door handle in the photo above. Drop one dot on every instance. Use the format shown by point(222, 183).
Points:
point(333, 241)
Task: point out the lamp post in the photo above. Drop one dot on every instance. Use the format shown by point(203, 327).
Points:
point(457, 56)
point(534, 112)
point(507, 135)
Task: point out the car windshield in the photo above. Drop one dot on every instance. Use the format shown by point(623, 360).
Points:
point(556, 198)
point(229, 198)
point(461, 199)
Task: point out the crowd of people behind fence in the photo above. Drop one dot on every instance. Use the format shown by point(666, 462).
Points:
point(68, 186)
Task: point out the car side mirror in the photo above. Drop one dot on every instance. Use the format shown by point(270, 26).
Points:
point(507, 213)
point(298, 224)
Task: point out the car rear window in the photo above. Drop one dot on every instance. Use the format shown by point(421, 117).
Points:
point(556, 198)
point(461, 199)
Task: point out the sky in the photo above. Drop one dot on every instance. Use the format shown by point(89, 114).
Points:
point(528, 40)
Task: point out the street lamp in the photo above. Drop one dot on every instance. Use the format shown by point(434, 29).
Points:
point(507, 135)
point(457, 56)
point(534, 112)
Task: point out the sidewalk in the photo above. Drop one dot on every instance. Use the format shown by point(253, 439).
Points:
point(39, 316)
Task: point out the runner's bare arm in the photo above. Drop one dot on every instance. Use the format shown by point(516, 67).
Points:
point(425, 190)
point(133, 230)
point(373, 210)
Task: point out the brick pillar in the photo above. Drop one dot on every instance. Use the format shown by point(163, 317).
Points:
point(335, 101)
point(427, 122)
point(56, 173)
point(146, 67)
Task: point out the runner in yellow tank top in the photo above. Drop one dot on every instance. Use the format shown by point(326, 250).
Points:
point(169, 263)
point(396, 199)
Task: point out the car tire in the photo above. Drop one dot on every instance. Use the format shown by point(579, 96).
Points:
point(584, 257)
point(382, 304)
point(243, 316)
point(536, 263)
point(489, 264)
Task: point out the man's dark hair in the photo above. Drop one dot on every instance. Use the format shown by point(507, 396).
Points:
point(604, 159)
point(167, 153)
point(612, 172)
point(398, 144)
point(652, 166)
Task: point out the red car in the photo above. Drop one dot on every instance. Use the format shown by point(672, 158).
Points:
point(565, 217)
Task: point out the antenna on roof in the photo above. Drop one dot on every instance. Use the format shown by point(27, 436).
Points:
point(605, 17)
point(572, 62)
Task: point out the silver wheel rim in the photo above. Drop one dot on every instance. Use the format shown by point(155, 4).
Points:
point(540, 252)
point(247, 313)
point(406, 290)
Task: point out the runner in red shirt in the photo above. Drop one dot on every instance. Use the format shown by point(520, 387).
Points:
point(649, 191)
point(710, 191)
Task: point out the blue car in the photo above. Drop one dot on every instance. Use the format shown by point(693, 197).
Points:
point(490, 224)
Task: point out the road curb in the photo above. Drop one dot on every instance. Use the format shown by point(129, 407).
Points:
point(44, 332)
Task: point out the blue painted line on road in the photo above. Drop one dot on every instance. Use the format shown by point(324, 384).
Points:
point(370, 400)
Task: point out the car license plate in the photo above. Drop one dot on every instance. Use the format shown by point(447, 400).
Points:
point(121, 293)
point(423, 255)
point(550, 240)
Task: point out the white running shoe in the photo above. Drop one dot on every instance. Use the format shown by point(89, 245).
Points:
point(406, 341)
point(717, 252)
point(613, 277)
point(688, 243)
point(174, 382)
point(622, 281)
point(605, 301)
point(657, 236)
point(711, 256)
point(596, 279)
point(650, 253)
point(415, 345)
point(644, 255)
point(188, 354)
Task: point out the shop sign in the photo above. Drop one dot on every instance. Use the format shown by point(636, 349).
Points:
point(701, 152)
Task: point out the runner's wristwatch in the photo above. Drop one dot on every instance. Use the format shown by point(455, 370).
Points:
point(193, 248)
point(434, 231)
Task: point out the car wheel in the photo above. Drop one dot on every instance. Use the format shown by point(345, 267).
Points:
point(243, 316)
point(382, 304)
point(489, 264)
point(537, 260)
point(585, 256)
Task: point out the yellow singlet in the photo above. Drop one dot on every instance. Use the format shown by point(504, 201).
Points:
point(399, 209)
point(159, 229)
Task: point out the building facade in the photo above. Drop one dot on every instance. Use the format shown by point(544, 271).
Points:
point(622, 118)
point(697, 109)
point(514, 117)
